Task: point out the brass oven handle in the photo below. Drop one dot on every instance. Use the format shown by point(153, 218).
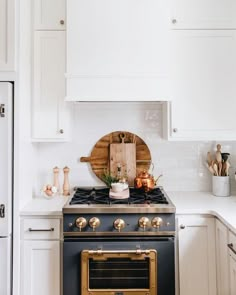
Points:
point(100, 252)
point(231, 247)
point(49, 229)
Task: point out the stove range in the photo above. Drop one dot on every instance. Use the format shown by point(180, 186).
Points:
point(115, 246)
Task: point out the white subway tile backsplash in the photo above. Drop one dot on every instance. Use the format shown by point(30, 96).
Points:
point(181, 163)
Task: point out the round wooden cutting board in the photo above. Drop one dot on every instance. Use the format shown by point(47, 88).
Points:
point(100, 155)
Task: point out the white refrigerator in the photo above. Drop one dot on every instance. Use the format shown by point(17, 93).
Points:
point(6, 183)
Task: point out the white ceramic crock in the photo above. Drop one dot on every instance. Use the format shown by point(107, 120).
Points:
point(221, 186)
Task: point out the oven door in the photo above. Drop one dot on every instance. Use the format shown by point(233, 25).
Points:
point(118, 266)
point(119, 271)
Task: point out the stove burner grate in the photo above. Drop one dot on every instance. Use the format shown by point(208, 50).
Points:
point(101, 196)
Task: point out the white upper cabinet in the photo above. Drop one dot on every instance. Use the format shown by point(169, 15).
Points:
point(7, 35)
point(49, 14)
point(49, 112)
point(203, 14)
point(203, 69)
point(117, 50)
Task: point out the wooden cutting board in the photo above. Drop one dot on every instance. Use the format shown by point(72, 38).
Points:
point(123, 158)
point(99, 158)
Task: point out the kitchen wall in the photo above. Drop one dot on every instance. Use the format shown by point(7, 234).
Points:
point(181, 163)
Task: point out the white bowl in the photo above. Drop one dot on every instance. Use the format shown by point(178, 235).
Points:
point(118, 186)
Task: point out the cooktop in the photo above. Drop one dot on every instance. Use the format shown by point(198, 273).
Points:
point(92, 199)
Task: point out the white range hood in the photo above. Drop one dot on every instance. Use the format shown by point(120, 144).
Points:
point(117, 50)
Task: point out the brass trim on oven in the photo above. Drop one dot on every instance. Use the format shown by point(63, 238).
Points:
point(133, 255)
point(137, 233)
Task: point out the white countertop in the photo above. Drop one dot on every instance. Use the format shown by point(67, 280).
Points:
point(223, 208)
point(43, 206)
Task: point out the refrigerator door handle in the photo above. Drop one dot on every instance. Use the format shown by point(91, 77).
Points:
point(2, 211)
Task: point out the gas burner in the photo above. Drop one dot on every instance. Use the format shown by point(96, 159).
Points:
point(154, 196)
point(101, 196)
point(90, 196)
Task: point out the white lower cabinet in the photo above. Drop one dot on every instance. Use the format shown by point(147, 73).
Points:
point(41, 267)
point(232, 263)
point(222, 263)
point(40, 257)
point(196, 245)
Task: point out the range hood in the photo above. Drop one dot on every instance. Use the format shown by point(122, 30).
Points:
point(117, 50)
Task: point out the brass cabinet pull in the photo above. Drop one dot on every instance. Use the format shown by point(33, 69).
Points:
point(231, 247)
point(49, 229)
point(100, 252)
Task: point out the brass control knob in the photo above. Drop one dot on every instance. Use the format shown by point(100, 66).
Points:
point(144, 222)
point(81, 222)
point(119, 224)
point(157, 222)
point(94, 222)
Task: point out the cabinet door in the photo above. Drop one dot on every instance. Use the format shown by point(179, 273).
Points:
point(49, 86)
point(203, 14)
point(197, 271)
point(203, 83)
point(232, 270)
point(232, 262)
point(222, 263)
point(7, 35)
point(41, 268)
point(49, 14)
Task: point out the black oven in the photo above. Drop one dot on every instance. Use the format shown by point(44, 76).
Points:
point(119, 246)
point(124, 265)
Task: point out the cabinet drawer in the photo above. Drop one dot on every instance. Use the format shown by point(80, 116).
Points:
point(38, 229)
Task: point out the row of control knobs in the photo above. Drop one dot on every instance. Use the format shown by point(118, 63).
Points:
point(118, 224)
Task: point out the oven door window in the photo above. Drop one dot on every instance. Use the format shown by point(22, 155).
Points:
point(121, 272)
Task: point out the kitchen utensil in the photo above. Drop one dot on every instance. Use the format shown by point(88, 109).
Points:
point(215, 168)
point(210, 168)
point(100, 160)
point(209, 158)
point(218, 148)
point(224, 165)
point(218, 153)
point(144, 181)
point(225, 156)
point(227, 165)
point(123, 159)
point(219, 168)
